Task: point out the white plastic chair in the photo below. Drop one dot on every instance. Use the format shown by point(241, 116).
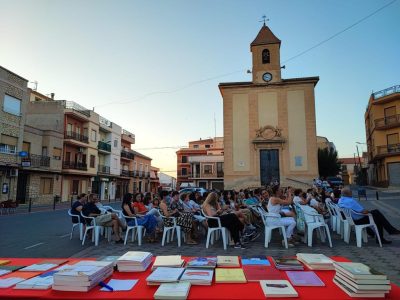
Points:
point(342, 223)
point(214, 230)
point(96, 229)
point(315, 221)
point(137, 230)
point(78, 223)
point(333, 218)
point(169, 231)
point(270, 223)
point(361, 230)
point(116, 211)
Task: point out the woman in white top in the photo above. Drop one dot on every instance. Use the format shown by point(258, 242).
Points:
point(274, 206)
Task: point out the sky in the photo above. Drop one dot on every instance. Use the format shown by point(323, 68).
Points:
point(153, 67)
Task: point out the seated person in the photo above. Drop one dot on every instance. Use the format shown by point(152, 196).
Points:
point(148, 221)
point(141, 209)
point(76, 208)
point(347, 201)
point(192, 207)
point(304, 205)
point(108, 220)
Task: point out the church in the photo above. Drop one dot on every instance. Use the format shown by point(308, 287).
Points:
point(269, 123)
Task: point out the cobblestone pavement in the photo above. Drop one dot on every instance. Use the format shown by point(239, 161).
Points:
point(382, 259)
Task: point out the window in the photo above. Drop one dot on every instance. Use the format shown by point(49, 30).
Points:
point(207, 146)
point(12, 105)
point(141, 167)
point(67, 156)
point(184, 171)
point(26, 147)
point(207, 169)
point(92, 161)
point(115, 163)
point(8, 144)
point(69, 128)
point(85, 132)
point(134, 166)
point(93, 136)
point(44, 151)
point(146, 168)
point(298, 161)
point(8, 149)
point(57, 153)
point(184, 159)
point(46, 186)
point(115, 143)
point(196, 146)
point(265, 56)
point(78, 130)
point(392, 139)
point(344, 168)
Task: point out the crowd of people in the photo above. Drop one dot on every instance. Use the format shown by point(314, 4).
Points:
point(239, 211)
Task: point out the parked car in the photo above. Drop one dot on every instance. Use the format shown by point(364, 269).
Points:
point(335, 181)
point(193, 189)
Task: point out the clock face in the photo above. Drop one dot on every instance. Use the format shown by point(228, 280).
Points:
point(267, 77)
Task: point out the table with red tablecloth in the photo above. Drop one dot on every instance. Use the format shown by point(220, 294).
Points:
point(141, 290)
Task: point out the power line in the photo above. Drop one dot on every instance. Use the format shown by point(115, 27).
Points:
point(340, 32)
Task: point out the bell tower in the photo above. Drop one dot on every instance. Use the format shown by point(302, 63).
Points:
point(265, 50)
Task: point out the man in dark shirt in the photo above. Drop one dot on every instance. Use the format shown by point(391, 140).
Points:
point(77, 206)
point(108, 220)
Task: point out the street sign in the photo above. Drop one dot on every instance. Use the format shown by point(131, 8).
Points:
point(23, 153)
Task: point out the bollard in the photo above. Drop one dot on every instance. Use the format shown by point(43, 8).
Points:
point(30, 204)
point(377, 195)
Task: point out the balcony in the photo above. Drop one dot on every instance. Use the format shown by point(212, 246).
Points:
point(104, 146)
point(220, 173)
point(127, 154)
point(386, 92)
point(75, 165)
point(35, 161)
point(125, 173)
point(75, 107)
point(147, 174)
point(132, 173)
point(76, 136)
point(387, 122)
point(140, 174)
point(104, 169)
point(128, 136)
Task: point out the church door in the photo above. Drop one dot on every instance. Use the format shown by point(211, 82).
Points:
point(269, 166)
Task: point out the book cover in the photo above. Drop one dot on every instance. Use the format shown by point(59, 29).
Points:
point(257, 273)
point(11, 268)
point(312, 258)
point(304, 278)
point(229, 275)
point(202, 262)
point(196, 276)
point(179, 290)
point(359, 270)
point(165, 274)
point(286, 262)
point(255, 261)
point(23, 275)
point(38, 267)
point(278, 288)
point(232, 261)
point(4, 262)
point(55, 261)
point(134, 256)
point(168, 260)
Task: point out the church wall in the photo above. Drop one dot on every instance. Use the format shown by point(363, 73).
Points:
point(240, 118)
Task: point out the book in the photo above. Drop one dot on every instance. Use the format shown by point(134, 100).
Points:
point(198, 276)
point(13, 278)
point(110, 258)
point(57, 261)
point(304, 278)
point(4, 272)
point(4, 262)
point(38, 267)
point(359, 288)
point(257, 273)
point(358, 271)
point(229, 275)
point(164, 275)
point(277, 289)
point(362, 281)
point(228, 261)
point(11, 268)
point(287, 263)
point(202, 262)
point(255, 261)
point(41, 282)
point(173, 261)
point(357, 295)
point(120, 285)
point(316, 261)
point(173, 291)
point(9, 282)
point(134, 261)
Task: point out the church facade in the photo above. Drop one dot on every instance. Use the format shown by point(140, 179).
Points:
point(269, 123)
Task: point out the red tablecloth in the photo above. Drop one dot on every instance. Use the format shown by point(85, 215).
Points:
point(216, 291)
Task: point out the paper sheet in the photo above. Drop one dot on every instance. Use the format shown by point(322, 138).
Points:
point(120, 284)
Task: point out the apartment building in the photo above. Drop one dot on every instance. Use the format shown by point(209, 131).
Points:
point(141, 169)
point(13, 100)
point(201, 164)
point(154, 179)
point(125, 183)
point(382, 124)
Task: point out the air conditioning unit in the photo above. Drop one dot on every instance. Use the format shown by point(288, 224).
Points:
point(80, 149)
point(12, 172)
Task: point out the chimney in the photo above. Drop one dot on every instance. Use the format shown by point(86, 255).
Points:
point(52, 96)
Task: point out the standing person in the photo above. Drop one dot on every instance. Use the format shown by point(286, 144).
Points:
point(183, 219)
point(107, 220)
point(347, 201)
point(212, 208)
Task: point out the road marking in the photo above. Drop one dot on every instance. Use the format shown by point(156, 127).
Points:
point(65, 235)
point(38, 244)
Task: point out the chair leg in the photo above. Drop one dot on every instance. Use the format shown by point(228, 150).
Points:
point(346, 232)
point(96, 231)
point(377, 235)
point(267, 234)
point(178, 235)
point(80, 231)
point(84, 237)
point(224, 237)
point(164, 236)
point(365, 235)
point(208, 238)
point(72, 231)
point(139, 235)
point(328, 234)
point(309, 236)
point(126, 235)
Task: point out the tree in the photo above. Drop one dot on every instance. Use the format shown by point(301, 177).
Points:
point(328, 164)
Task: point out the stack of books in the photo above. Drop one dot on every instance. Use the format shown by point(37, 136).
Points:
point(164, 275)
point(202, 262)
point(228, 261)
point(198, 276)
point(359, 280)
point(229, 275)
point(134, 261)
point(171, 261)
point(277, 289)
point(316, 261)
point(82, 276)
point(287, 263)
point(173, 291)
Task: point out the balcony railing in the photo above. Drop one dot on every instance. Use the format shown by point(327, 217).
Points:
point(104, 169)
point(220, 173)
point(388, 149)
point(76, 136)
point(132, 173)
point(104, 146)
point(105, 122)
point(127, 154)
point(147, 174)
point(387, 121)
point(76, 107)
point(387, 92)
point(194, 175)
point(35, 161)
point(74, 165)
point(140, 173)
point(125, 173)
